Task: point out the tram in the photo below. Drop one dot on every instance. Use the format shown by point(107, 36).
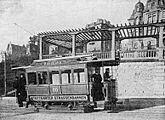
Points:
point(67, 80)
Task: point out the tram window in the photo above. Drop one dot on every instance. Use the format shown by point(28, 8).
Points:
point(42, 78)
point(79, 76)
point(66, 76)
point(54, 78)
point(32, 78)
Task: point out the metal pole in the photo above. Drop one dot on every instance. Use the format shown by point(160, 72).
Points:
point(73, 44)
point(40, 56)
point(113, 45)
point(5, 86)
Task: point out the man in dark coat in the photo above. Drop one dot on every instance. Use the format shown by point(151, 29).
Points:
point(97, 93)
point(19, 85)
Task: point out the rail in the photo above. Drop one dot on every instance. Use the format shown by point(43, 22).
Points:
point(140, 54)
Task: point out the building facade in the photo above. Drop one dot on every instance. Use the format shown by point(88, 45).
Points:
point(143, 80)
point(152, 12)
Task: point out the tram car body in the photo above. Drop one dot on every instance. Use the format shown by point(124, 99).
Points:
point(65, 80)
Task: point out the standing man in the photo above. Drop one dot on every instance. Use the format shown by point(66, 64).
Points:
point(106, 75)
point(19, 85)
point(97, 93)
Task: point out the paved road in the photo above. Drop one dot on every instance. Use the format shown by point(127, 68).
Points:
point(10, 111)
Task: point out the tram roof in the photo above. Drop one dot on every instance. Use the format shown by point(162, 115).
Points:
point(20, 68)
point(63, 38)
point(64, 58)
point(89, 59)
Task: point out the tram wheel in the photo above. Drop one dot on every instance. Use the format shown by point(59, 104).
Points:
point(36, 109)
point(70, 106)
point(88, 109)
point(46, 106)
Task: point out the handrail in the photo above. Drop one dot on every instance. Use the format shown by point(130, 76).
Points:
point(139, 54)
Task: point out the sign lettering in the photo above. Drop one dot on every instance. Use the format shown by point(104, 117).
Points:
point(60, 98)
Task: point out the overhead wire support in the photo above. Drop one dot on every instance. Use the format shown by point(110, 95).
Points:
point(23, 29)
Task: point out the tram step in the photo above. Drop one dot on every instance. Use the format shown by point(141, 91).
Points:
point(100, 104)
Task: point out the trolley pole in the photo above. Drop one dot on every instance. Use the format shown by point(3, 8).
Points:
point(40, 47)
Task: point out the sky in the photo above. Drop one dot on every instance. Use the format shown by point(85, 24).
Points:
point(20, 19)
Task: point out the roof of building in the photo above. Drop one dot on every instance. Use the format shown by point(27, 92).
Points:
point(140, 4)
point(16, 47)
point(139, 7)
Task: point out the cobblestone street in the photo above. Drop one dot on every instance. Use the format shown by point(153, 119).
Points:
point(10, 111)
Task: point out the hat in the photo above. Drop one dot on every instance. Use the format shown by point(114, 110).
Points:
point(107, 69)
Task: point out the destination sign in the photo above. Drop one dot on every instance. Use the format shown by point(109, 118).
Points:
point(55, 62)
point(60, 98)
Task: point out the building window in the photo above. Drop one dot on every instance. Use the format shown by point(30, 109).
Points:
point(149, 18)
point(145, 19)
point(137, 21)
point(154, 18)
point(163, 14)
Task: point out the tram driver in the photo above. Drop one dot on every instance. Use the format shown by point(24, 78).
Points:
point(97, 92)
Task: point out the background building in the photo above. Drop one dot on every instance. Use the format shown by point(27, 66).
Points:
point(152, 12)
point(13, 51)
point(143, 80)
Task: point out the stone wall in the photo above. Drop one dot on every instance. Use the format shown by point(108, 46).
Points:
point(141, 79)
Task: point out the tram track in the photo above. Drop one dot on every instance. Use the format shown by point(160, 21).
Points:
point(8, 113)
point(12, 115)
